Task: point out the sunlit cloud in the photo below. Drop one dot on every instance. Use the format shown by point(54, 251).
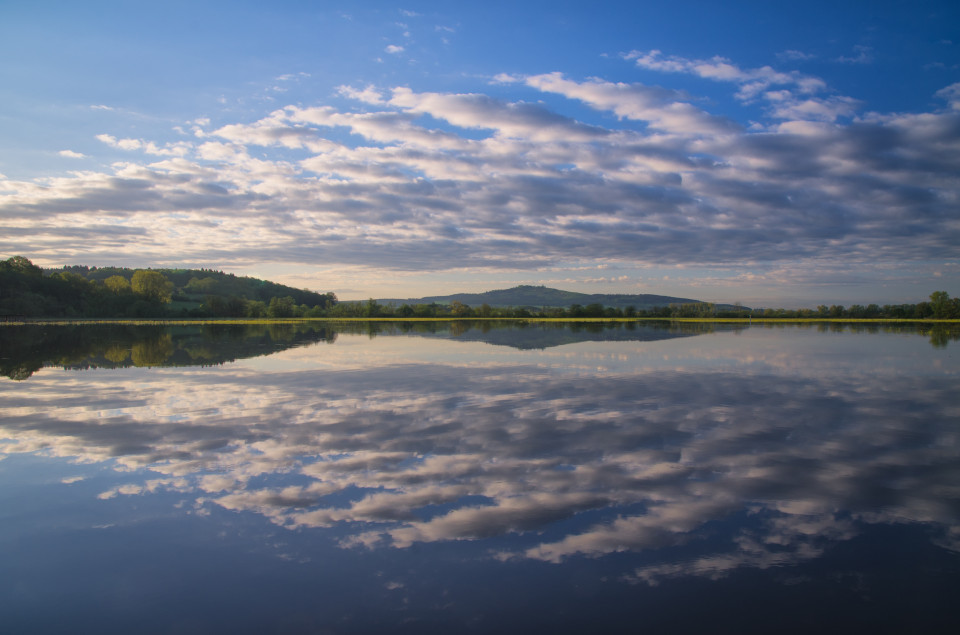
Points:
point(403, 180)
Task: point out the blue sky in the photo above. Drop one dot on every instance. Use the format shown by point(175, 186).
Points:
point(753, 152)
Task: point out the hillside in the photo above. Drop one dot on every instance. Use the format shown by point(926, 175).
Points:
point(200, 283)
point(26, 290)
point(539, 296)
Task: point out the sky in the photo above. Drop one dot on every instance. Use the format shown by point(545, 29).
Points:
point(772, 154)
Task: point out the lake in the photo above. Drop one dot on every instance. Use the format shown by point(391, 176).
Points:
point(479, 477)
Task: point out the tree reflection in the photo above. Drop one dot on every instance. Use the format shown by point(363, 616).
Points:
point(117, 353)
point(941, 335)
point(28, 348)
point(152, 352)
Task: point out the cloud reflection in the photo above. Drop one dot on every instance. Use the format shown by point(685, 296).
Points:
point(779, 442)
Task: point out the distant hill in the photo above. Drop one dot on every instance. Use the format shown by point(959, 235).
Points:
point(539, 296)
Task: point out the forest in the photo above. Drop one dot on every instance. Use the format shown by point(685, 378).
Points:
point(28, 291)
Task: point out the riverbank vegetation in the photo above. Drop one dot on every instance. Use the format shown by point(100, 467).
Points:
point(29, 292)
point(940, 307)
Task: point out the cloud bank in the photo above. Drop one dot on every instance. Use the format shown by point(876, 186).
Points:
point(402, 180)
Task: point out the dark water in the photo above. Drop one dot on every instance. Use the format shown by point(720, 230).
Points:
point(479, 478)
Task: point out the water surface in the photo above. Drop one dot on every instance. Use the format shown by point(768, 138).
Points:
point(476, 477)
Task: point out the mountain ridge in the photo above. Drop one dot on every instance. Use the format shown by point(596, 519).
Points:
point(543, 296)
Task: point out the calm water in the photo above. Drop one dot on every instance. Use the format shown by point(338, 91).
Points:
point(477, 478)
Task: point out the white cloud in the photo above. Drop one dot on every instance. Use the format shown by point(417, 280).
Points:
point(369, 94)
point(394, 49)
point(784, 105)
point(951, 94)
point(663, 109)
point(649, 177)
point(149, 147)
point(751, 81)
point(477, 111)
point(70, 154)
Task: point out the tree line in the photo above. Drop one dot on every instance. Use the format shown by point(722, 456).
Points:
point(940, 307)
point(26, 290)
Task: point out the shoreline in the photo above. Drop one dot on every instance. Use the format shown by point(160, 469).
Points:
point(256, 321)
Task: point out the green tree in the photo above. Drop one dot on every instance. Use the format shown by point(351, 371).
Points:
point(425, 310)
point(459, 309)
point(943, 307)
point(256, 309)
point(281, 307)
point(152, 285)
point(21, 265)
point(117, 284)
point(593, 310)
point(371, 309)
point(200, 285)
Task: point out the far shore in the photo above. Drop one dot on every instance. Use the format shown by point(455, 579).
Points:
point(636, 320)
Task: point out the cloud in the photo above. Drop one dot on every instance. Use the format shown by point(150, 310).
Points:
point(951, 94)
point(369, 94)
point(794, 55)
point(751, 81)
point(292, 76)
point(148, 147)
point(396, 179)
point(474, 111)
point(662, 109)
point(786, 106)
point(394, 49)
point(70, 154)
point(863, 55)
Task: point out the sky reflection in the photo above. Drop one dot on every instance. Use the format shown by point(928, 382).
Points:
point(753, 448)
